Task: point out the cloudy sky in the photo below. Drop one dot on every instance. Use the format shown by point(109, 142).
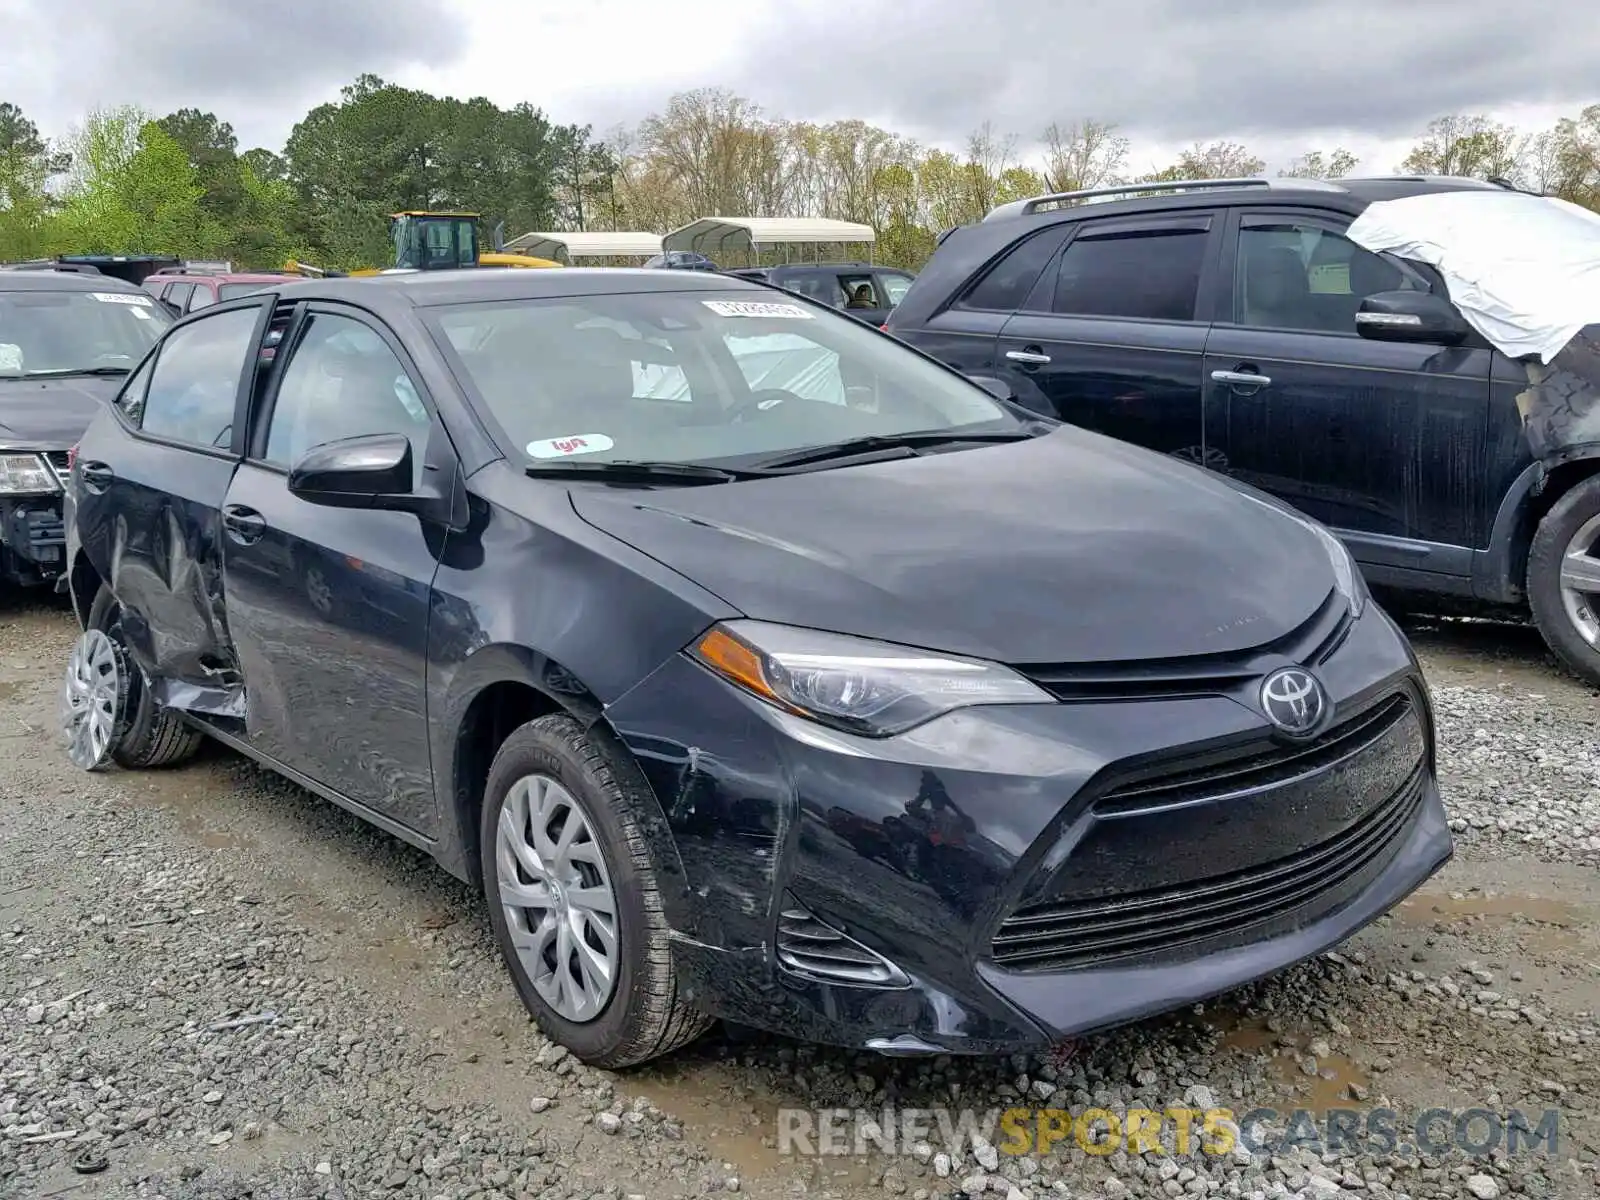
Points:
point(1282, 76)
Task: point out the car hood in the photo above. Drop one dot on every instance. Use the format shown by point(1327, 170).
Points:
point(51, 414)
point(1065, 548)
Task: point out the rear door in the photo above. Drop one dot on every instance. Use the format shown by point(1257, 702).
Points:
point(150, 497)
point(1113, 337)
point(1385, 441)
point(329, 606)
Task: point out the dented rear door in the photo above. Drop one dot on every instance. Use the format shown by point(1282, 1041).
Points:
point(149, 502)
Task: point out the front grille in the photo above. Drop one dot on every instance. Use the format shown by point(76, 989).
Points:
point(1060, 936)
point(1309, 644)
point(1275, 766)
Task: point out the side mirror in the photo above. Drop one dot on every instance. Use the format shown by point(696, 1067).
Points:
point(1411, 317)
point(997, 388)
point(374, 471)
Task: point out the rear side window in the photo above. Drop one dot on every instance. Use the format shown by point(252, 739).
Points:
point(1009, 281)
point(178, 294)
point(229, 290)
point(1150, 275)
point(895, 287)
point(196, 379)
point(203, 297)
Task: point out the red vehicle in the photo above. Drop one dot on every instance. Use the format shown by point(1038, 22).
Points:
point(184, 289)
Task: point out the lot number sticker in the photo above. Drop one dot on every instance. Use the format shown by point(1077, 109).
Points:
point(757, 308)
point(122, 298)
point(566, 447)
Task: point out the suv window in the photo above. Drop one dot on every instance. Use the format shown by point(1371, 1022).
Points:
point(1148, 274)
point(858, 291)
point(203, 296)
point(342, 381)
point(895, 287)
point(178, 295)
point(1300, 275)
point(196, 379)
point(1010, 280)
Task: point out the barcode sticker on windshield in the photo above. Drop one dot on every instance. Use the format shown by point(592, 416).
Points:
point(122, 298)
point(565, 447)
point(757, 308)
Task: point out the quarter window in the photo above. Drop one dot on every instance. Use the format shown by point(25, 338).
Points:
point(1010, 280)
point(342, 381)
point(196, 379)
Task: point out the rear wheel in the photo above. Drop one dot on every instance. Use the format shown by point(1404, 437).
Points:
point(1564, 579)
point(134, 730)
point(574, 900)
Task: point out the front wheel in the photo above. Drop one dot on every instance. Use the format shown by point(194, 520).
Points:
point(1564, 579)
point(574, 899)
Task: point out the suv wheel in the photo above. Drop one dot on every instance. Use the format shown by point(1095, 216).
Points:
point(574, 899)
point(1564, 579)
point(122, 720)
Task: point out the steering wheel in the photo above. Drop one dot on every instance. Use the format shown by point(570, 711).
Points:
point(759, 400)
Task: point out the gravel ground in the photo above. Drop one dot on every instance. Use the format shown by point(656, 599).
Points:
point(213, 985)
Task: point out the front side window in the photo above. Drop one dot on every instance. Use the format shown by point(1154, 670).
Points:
point(741, 373)
point(895, 287)
point(196, 379)
point(1299, 275)
point(342, 381)
point(62, 332)
point(1151, 275)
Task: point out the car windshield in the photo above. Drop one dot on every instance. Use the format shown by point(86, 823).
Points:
point(697, 376)
point(60, 332)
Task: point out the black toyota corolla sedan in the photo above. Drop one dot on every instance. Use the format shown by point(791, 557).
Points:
point(755, 665)
point(66, 342)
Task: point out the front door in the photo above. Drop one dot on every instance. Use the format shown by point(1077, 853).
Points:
point(1384, 441)
point(329, 606)
point(149, 501)
point(1112, 337)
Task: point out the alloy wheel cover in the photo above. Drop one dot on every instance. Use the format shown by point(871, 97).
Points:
point(93, 700)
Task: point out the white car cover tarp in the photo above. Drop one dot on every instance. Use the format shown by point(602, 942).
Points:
point(1524, 270)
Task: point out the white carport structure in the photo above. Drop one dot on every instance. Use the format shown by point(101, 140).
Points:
point(714, 236)
point(565, 247)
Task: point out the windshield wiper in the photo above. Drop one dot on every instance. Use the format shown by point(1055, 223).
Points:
point(886, 441)
point(56, 372)
point(627, 470)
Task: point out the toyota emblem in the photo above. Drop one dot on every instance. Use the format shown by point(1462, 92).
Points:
point(1293, 700)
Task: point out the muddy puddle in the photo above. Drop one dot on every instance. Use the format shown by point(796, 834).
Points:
point(1336, 1083)
point(1542, 923)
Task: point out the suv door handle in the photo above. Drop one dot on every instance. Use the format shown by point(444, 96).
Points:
point(244, 525)
point(96, 476)
point(1031, 356)
point(1241, 378)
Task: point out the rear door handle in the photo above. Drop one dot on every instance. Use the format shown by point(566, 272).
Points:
point(244, 525)
point(1241, 378)
point(96, 476)
point(1031, 357)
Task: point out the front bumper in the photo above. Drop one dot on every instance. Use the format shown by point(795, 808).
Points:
point(932, 849)
point(33, 539)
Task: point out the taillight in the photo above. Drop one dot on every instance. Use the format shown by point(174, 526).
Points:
point(72, 456)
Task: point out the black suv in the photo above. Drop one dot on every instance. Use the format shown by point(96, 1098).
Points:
point(1217, 321)
point(67, 340)
point(861, 290)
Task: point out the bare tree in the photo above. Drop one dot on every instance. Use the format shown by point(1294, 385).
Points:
point(1083, 154)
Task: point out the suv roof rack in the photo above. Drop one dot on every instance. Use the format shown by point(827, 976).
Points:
point(1467, 179)
point(1023, 208)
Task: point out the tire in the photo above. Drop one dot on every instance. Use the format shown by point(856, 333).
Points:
point(156, 736)
point(1576, 509)
point(645, 1015)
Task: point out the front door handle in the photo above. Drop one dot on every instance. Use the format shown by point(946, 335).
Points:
point(1241, 378)
point(1031, 356)
point(244, 525)
point(96, 476)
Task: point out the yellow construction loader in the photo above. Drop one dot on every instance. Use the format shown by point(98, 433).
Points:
point(435, 241)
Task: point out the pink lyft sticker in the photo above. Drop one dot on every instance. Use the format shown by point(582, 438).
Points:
point(563, 447)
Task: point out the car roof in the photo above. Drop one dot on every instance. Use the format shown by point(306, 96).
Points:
point(424, 289)
point(62, 281)
point(1350, 194)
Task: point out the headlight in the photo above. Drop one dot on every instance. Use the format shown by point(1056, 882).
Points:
point(1347, 576)
point(864, 687)
point(26, 474)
